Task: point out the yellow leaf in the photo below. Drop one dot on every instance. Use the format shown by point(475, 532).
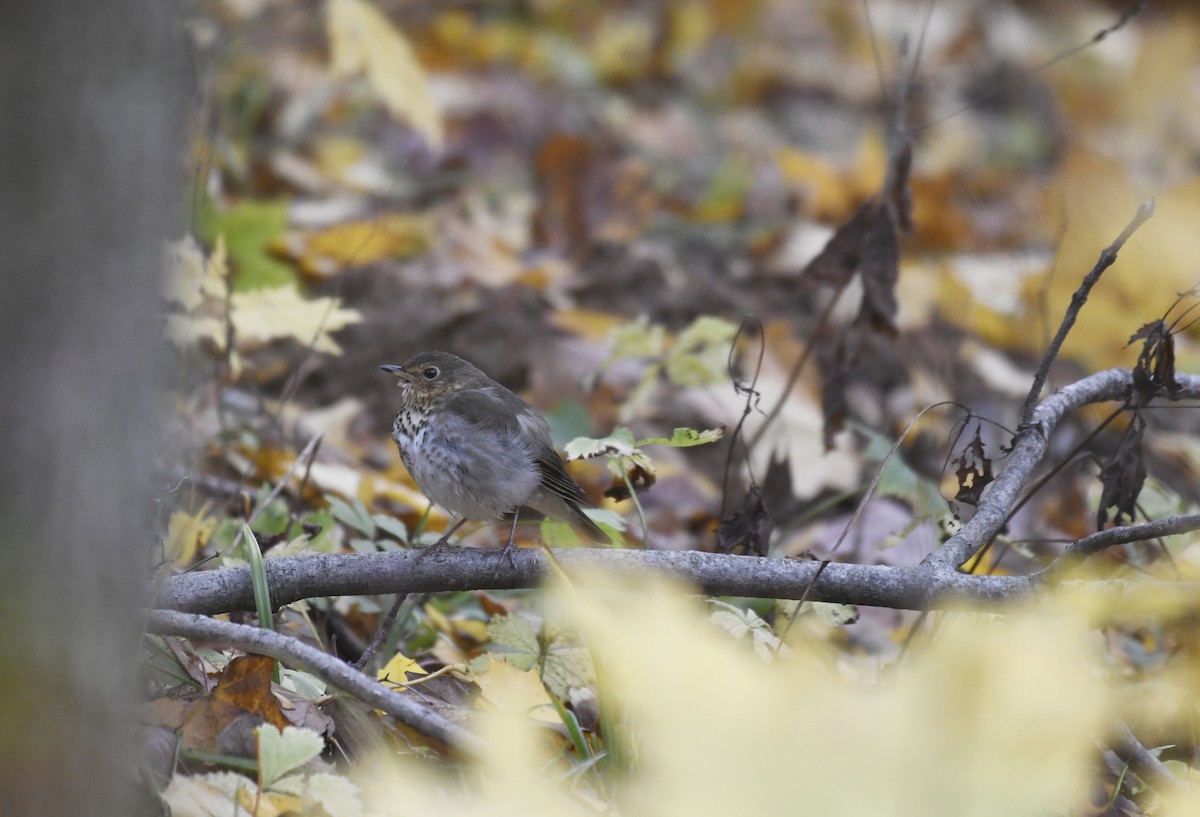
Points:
point(512, 690)
point(622, 46)
point(363, 41)
point(397, 670)
point(587, 324)
point(326, 252)
point(264, 315)
point(187, 533)
point(820, 184)
point(1099, 198)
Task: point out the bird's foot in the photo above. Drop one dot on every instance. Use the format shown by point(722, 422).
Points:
point(440, 546)
point(506, 553)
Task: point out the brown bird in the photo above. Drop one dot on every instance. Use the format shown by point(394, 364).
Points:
point(479, 451)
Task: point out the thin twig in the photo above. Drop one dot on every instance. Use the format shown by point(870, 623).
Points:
point(752, 398)
point(309, 451)
point(1107, 257)
point(1093, 543)
point(797, 367)
point(385, 627)
point(1132, 11)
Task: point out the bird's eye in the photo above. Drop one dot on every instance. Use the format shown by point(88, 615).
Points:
point(430, 373)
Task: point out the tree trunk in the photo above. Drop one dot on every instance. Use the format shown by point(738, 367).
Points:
point(91, 136)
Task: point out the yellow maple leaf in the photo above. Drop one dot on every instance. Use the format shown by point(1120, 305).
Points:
point(363, 41)
point(397, 670)
point(328, 251)
point(186, 533)
point(264, 315)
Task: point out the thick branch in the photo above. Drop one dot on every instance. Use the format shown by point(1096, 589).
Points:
point(1028, 450)
point(907, 588)
point(326, 667)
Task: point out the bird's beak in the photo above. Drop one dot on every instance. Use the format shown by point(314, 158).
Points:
point(398, 371)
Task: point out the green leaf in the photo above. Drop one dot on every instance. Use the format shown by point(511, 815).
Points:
point(353, 515)
point(639, 339)
point(392, 525)
point(338, 796)
point(281, 752)
point(686, 438)
point(743, 625)
point(514, 638)
point(272, 518)
point(258, 579)
point(249, 228)
point(700, 355)
point(328, 539)
point(566, 664)
point(620, 443)
point(302, 683)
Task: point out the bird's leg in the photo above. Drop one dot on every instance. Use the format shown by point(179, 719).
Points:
point(509, 546)
point(441, 543)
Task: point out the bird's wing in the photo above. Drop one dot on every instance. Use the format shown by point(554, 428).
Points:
point(505, 413)
point(491, 410)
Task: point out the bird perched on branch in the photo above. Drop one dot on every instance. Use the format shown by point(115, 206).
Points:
point(478, 450)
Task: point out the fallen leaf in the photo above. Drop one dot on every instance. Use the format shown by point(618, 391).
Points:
point(327, 252)
point(397, 670)
point(362, 40)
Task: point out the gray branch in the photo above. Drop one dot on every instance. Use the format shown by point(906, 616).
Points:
point(1093, 543)
point(330, 669)
point(910, 588)
point(1027, 453)
point(936, 583)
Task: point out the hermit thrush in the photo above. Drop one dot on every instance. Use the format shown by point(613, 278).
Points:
point(478, 450)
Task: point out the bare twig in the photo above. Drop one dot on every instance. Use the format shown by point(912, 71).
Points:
point(1107, 257)
point(798, 366)
point(308, 452)
point(752, 397)
point(326, 667)
point(1093, 543)
point(1145, 765)
point(1132, 11)
point(385, 627)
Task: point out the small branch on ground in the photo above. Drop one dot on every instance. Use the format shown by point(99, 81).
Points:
point(1144, 764)
point(1093, 543)
point(329, 669)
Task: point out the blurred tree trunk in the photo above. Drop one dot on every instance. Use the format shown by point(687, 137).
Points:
point(91, 146)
